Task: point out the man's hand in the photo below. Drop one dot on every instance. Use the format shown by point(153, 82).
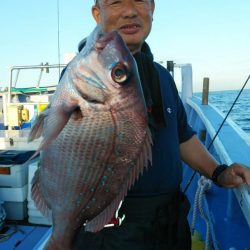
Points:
point(196, 155)
point(235, 175)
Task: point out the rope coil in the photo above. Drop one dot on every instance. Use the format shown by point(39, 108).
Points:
point(204, 184)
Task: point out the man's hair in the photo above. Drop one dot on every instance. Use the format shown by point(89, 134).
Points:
point(97, 1)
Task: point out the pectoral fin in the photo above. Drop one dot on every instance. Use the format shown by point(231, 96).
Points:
point(37, 128)
point(50, 123)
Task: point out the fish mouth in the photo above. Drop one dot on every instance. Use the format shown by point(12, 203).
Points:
point(104, 39)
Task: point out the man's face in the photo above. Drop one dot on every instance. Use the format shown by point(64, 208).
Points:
point(131, 18)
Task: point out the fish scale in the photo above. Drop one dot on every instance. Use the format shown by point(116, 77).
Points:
point(90, 144)
point(96, 140)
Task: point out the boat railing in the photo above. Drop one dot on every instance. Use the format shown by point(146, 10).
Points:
point(231, 144)
point(15, 98)
point(228, 143)
point(42, 67)
point(21, 105)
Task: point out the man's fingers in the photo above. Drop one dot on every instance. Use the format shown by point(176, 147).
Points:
point(242, 172)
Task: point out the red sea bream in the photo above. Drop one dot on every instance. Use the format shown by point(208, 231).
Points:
point(96, 139)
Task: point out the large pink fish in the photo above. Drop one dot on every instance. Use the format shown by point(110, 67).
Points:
point(96, 139)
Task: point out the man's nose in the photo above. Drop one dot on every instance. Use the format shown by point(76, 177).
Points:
point(129, 8)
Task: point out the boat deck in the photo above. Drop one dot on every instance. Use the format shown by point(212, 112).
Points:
point(21, 237)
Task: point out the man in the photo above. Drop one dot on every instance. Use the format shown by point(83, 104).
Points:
point(155, 208)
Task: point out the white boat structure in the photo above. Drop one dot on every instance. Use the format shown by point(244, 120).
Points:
point(219, 218)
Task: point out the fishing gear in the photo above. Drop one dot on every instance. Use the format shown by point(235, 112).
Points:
point(216, 134)
point(2, 215)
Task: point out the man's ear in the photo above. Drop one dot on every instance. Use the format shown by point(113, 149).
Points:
point(96, 13)
point(153, 7)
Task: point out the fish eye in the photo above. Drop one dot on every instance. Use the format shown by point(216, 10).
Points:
point(119, 73)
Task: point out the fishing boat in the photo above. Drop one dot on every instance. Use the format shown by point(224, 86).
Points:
point(22, 226)
point(219, 218)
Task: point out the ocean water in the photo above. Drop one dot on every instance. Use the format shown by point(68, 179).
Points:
point(240, 113)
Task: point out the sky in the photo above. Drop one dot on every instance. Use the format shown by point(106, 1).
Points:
point(212, 35)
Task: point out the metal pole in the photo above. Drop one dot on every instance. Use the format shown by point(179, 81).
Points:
point(187, 82)
point(17, 74)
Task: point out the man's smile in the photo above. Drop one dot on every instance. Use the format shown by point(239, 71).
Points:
point(130, 28)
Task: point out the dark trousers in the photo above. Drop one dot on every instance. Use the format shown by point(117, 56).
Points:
point(152, 223)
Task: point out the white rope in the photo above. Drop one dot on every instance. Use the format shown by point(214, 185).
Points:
point(204, 185)
point(195, 207)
